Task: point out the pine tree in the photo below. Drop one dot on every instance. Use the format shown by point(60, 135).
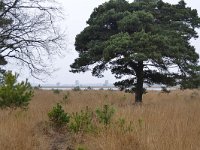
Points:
point(141, 42)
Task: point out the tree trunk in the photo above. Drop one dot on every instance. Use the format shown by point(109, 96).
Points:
point(139, 84)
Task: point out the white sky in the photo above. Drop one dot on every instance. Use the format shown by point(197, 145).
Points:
point(77, 13)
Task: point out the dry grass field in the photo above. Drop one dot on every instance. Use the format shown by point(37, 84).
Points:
point(164, 122)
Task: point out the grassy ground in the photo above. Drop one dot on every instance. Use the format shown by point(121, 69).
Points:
point(163, 122)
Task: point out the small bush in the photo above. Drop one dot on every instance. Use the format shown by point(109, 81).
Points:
point(37, 87)
point(101, 89)
point(81, 147)
point(165, 90)
point(13, 94)
point(58, 117)
point(110, 89)
point(65, 98)
point(89, 88)
point(56, 91)
point(77, 88)
point(121, 122)
point(140, 122)
point(124, 127)
point(105, 114)
point(82, 121)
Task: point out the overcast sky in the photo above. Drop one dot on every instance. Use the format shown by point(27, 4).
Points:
point(77, 13)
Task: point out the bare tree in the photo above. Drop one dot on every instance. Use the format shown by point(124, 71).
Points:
point(32, 36)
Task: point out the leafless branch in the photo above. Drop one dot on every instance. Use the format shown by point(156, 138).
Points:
point(33, 37)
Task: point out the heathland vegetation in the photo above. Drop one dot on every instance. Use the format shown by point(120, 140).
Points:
point(164, 121)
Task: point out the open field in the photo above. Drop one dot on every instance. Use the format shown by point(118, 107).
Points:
point(164, 122)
